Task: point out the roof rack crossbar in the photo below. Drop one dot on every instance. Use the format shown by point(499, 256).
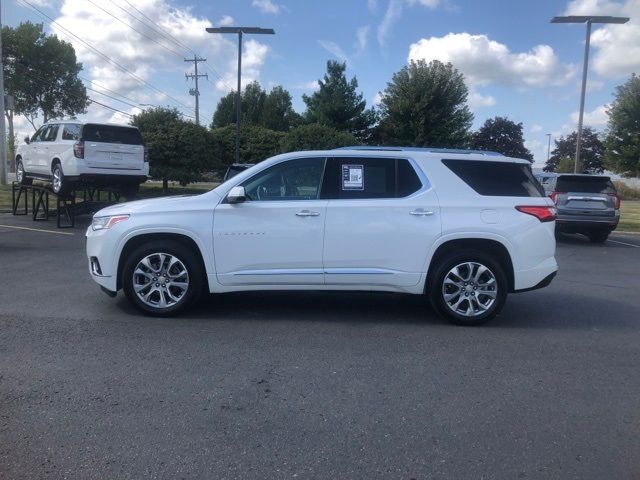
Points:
point(422, 149)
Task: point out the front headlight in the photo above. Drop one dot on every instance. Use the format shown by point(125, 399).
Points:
point(102, 223)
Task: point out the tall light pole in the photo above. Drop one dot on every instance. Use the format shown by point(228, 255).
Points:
point(3, 133)
point(548, 147)
point(589, 20)
point(240, 31)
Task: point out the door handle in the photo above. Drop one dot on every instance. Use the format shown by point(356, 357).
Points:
point(421, 212)
point(307, 213)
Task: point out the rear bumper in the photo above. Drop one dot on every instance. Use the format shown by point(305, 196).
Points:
point(535, 277)
point(581, 223)
point(545, 282)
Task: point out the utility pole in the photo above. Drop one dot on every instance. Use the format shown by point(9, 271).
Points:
point(195, 76)
point(3, 132)
point(240, 31)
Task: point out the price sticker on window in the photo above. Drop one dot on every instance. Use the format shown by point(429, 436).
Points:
point(352, 177)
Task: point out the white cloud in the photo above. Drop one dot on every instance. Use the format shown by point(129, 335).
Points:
point(394, 13)
point(362, 36)
point(159, 62)
point(266, 6)
point(254, 55)
point(477, 100)
point(425, 3)
point(310, 86)
point(391, 16)
point(334, 49)
point(484, 61)
point(372, 5)
point(377, 99)
point(535, 128)
point(617, 47)
point(596, 118)
point(225, 21)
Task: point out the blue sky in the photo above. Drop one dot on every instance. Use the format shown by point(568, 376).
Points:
point(516, 63)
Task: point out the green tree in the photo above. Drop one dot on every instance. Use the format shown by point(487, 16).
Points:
point(501, 135)
point(338, 105)
point(256, 144)
point(41, 72)
point(277, 112)
point(225, 113)
point(178, 150)
point(315, 136)
point(426, 105)
point(591, 153)
point(623, 138)
point(273, 110)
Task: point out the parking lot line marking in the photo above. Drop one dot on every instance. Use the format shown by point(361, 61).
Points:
point(623, 243)
point(37, 230)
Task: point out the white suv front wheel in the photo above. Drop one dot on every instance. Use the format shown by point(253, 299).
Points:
point(468, 287)
point(162, 278)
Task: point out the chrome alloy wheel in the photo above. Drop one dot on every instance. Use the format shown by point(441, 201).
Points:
point(160, 280)
point(56, 182)
point(20, 172)
point(469, 289)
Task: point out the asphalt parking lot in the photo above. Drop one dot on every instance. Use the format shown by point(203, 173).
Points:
point(316, 385)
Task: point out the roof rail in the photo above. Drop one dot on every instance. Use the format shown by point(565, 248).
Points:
point(422, 149)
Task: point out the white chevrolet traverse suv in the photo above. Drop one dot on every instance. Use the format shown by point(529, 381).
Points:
point(69, 153)
point(464, 228)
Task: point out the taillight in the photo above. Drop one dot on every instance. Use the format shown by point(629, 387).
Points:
point(78, 149)
point(617, 197)
point(554, 196)
point(542, 213)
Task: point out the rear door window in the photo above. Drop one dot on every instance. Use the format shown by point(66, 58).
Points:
point(497, 179)
point(111, 134)
point(584, 184)
point(71, 131)
point(359, 178)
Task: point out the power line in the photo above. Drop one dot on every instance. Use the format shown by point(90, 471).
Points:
point(106, 57)
point(166, 35)
point(134, 29)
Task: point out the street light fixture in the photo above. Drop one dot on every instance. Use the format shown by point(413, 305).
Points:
point(589, 20)
point(240, 31)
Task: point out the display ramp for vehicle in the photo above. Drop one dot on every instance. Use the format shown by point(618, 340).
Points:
point(86, 200)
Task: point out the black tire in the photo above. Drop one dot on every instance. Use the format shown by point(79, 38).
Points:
point(598, 236)
point(188, 259)
point(24, 180)
point(436, 288)
point(63, 188)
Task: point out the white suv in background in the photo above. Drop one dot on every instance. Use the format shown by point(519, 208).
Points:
point(463, 228)
point(68, 153)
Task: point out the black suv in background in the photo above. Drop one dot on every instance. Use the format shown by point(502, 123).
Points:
point(587, 204)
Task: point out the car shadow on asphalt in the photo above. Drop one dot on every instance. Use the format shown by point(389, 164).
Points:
point(546, 309)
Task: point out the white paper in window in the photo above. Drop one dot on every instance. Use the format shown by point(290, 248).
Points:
point(352, 177)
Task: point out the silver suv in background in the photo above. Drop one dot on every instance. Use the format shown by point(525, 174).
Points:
point(69, 153)
point(587, 204)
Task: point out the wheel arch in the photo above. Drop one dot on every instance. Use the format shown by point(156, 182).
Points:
point(54, 161)
point(492, 246)
point(135, 241)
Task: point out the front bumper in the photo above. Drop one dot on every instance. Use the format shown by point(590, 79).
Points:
point(100, 254)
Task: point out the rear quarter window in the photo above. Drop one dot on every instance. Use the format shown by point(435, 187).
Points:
point(585, 184)
point(497, 179)
point(111, 134)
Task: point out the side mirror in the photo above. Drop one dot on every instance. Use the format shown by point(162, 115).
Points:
point(236, 195)
point(27, 140)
